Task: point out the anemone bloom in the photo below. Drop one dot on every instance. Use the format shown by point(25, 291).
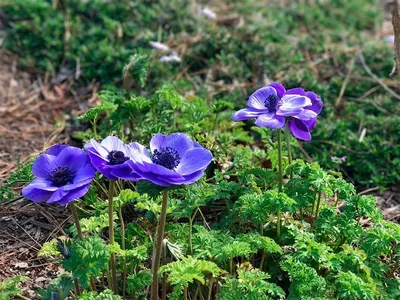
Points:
point(175, 160)
point(301, 128)
point(63, 173)
point(110, 157)
point(271, 105)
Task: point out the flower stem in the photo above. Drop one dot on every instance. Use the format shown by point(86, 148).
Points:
point(79, 231)
point(318, 203)
point(113, 262)
point(280, 183)
point(121, 220)
point(289, 149)
point(160, 237)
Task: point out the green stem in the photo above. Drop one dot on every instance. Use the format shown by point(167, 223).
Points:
point(280, 171)
point(121, 220)
point(191, 219)
point(79, 231)
point(113, 262)
point(160, 237)
point(289, 149)
point(318, 203)
point(280, 183)
point(22, 297)
point(185, 292)
point(231, 265)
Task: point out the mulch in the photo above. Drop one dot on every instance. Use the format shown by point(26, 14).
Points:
point(36, 110)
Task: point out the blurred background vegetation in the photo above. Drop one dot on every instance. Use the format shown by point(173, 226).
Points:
point(333, 47)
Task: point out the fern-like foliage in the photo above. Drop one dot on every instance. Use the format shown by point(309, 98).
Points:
point(88, 257)
point(251, 285)
point(9, 288)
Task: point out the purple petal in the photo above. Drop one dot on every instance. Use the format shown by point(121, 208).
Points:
point(193, 177)
point(270, 121)
point(73, 158)
point(57, 195)
point(72, 195)
point(98, 147)
point(43, 184)
point(296, 91)
point(56, 149)
point(194, 160)
point(310, 124)
point(138, 153)
point(305, 115)
point(157, 141)
point(299, 130)
point(36, 195)
point(180, 142)
point(257, 99)
point(293, 102)
point(112, 143)
point(100, 164)
point(280, 89)
point(316, 101)
point(246, 114)
point(44, 165)
point(82, 177)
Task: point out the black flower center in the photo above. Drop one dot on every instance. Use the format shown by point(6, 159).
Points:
point(167, 157)
point(117, 157)
point(272, 103)
point(61, 176)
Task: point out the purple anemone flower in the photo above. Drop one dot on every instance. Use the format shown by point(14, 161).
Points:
point(271, 105)
point(301, 128)
point(175, 160)
point(110, 157)
point(63, 173)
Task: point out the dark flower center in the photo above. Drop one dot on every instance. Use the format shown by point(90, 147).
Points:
point(272, 103)
point(61, 176)
point(167, 157)
point(117, 157)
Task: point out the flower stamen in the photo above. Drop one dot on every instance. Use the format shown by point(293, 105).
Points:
point(61, 176)
point(117, 157)
point(166, 157)
point(272, 103)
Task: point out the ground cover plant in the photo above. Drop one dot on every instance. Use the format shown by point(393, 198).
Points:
point(176, 193)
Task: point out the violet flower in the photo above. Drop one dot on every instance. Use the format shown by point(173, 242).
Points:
point(271, 105)
point(110, 157)
point(175, 160)
point(301, 128)
point(63, 173)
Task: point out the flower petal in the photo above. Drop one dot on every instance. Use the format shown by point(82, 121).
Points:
point(57, 195)
point(316, 101)
point(310, 124)
point(270, 121)
point(55, 149)
point(280, 89)
point(98, 147)
point(180, 142)
point(73, 158)
point(84, 176)
point(257, 99)
point(296, 91)
point(293, 102)
point(44, 165)
point(157, 142)
point(112, 143)
point(72, 195)
point(299, 130)
point(138, 153)
point(305, 115)
point(194, 160)
point(36, 195)
point(43, 184)
point(246, 114)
